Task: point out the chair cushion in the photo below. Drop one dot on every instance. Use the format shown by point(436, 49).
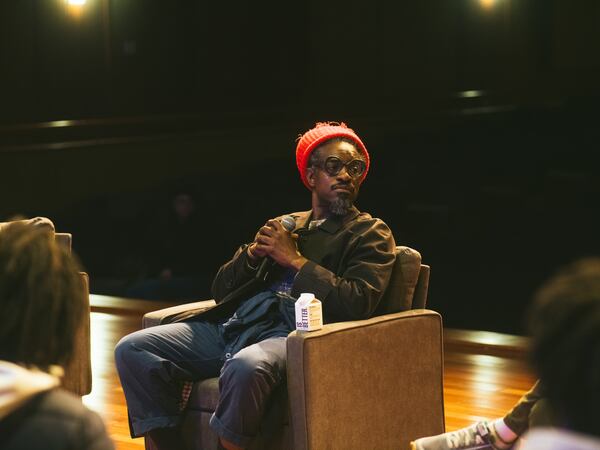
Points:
point(205, 395)
point(401, 289)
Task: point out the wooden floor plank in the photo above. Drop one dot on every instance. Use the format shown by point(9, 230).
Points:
point(477, 386)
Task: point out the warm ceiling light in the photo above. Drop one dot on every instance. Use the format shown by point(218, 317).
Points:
point(75, 8)
point(470, 94)
point(487, 4)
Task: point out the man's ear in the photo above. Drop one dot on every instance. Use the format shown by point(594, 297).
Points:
point(310, 176)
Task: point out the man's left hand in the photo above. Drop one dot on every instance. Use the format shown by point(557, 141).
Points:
point(280, 245)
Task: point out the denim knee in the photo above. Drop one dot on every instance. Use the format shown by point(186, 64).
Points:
point(244, 372)
point(126, 351)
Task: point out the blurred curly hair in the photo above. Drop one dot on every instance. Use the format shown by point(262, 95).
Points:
point(565, 351)
point(42, 298)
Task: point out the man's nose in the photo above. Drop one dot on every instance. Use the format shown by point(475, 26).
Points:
point(343, 174)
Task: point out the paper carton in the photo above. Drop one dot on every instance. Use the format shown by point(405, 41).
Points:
point(309, 315)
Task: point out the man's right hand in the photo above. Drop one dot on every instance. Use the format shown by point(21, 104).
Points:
point(274, 241)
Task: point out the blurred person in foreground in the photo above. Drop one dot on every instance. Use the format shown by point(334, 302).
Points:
point(562, 410)
point(42, 302)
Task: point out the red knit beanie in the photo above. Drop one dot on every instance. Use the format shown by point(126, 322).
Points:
point(323, 131)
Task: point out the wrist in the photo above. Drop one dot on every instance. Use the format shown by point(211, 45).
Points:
point(298, 262)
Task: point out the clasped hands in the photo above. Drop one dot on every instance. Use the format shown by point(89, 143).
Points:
point(275, 242)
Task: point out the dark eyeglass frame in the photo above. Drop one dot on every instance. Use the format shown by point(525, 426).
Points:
point(334, 165)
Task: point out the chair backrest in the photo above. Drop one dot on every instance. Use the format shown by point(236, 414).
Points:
point(408, 284)
point(64, 239)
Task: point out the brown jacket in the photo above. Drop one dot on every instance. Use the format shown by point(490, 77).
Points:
point(349, 267)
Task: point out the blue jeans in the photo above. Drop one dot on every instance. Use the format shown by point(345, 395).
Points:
point(152, 363)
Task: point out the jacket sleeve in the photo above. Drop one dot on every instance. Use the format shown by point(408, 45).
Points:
point(233, 274)
point(355, 292)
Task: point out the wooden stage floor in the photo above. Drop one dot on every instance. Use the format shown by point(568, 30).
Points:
point(485, 373)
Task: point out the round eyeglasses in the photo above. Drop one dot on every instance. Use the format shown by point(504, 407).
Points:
point(334, 165)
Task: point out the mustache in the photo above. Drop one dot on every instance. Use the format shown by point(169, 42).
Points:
point(345, 185)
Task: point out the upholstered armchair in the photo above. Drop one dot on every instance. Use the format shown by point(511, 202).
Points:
point(368, 384)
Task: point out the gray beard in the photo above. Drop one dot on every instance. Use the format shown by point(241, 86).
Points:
point(340, 206)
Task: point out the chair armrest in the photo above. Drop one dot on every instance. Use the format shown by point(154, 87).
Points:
point(375, 383)
point(78, 371)
point(154, 318)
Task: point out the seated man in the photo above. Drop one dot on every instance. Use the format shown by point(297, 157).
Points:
point(565, 336)
point(42, 302)
point(343, 256)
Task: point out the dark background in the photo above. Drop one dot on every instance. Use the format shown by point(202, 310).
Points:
point(480, 117)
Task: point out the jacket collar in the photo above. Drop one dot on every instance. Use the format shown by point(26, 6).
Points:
point(331, 225)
